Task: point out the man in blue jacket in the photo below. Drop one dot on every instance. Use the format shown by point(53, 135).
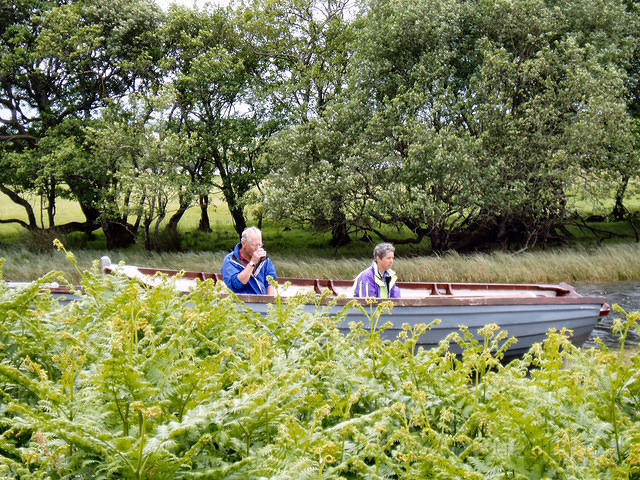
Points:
point(247, 268)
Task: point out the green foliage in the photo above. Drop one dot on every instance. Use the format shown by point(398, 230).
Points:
point(309, 43)
point(465, 122)
point(462, 124)
point(216, 84)
point(128, 382)
point(61, 62)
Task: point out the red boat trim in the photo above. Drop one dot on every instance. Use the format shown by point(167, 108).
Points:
point(439, 293)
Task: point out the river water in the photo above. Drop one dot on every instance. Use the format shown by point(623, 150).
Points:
point(625, 294)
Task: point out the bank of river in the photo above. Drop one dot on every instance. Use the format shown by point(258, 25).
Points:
point(625, 294)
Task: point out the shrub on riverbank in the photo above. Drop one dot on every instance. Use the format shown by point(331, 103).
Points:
point(129, 383)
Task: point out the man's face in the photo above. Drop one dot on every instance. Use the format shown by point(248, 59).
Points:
point(253, 243)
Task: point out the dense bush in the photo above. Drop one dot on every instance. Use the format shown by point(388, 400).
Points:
point(135, 383)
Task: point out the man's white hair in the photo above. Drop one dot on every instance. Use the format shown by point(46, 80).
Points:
point(249, 232)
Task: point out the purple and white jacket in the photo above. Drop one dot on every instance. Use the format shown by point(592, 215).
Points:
point(370, 283)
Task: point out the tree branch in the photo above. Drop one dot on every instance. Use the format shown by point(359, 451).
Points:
point(76, 227)
point(21, 201)
point(10, 138)
point(22, 223)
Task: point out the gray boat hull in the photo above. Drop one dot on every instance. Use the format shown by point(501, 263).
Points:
point(529, 324)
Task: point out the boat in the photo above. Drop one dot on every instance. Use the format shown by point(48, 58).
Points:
point(62, 293)
point(526, 311)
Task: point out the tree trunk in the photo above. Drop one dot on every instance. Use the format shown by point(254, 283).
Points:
point(172, 225)
point(146, 226)
point(230, 196)
point(51, 203)
point(118, 234)
point(236, 210)
point(635, 229)
point(339, 231)
point(205, 223)
point(239, 221)
point(439, 240)
point(340, 235)
point(31, 216)
point(618, 212)
point(138, 221)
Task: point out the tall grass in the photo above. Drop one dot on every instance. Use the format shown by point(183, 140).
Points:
point(606, 263)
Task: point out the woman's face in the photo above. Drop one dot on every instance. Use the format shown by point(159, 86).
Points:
point(385, 263)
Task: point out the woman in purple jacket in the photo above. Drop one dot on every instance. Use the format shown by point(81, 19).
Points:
point(378, 280)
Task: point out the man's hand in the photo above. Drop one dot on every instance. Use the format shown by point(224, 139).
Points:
point(258, 255)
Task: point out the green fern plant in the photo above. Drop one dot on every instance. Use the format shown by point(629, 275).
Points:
point(131, 382)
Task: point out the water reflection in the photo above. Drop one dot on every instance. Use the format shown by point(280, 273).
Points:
point(625, 294)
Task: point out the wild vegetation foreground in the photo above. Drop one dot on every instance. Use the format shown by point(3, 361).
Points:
point(130, 383)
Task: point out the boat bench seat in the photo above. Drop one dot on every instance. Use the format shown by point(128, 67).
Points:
point(293, 290)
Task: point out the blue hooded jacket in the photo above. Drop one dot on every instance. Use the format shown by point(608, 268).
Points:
point(258, 282)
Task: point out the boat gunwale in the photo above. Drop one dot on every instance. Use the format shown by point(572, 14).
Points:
point(342, 300)
point(565, 294)
point(562, 289)
point(433, 301)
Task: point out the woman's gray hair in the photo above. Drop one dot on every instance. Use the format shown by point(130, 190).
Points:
point(382, 249)
point(248, 232)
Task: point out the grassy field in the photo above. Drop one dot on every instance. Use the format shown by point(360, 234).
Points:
point(68, 211)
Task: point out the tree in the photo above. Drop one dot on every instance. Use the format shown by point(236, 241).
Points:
point(306, 43)
point(141, 169)
point(558, 111)
point(310, 185)
point(473, 117)
point(628, 169)
point(59, 63)
point(213, 76)
point(411, 69)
